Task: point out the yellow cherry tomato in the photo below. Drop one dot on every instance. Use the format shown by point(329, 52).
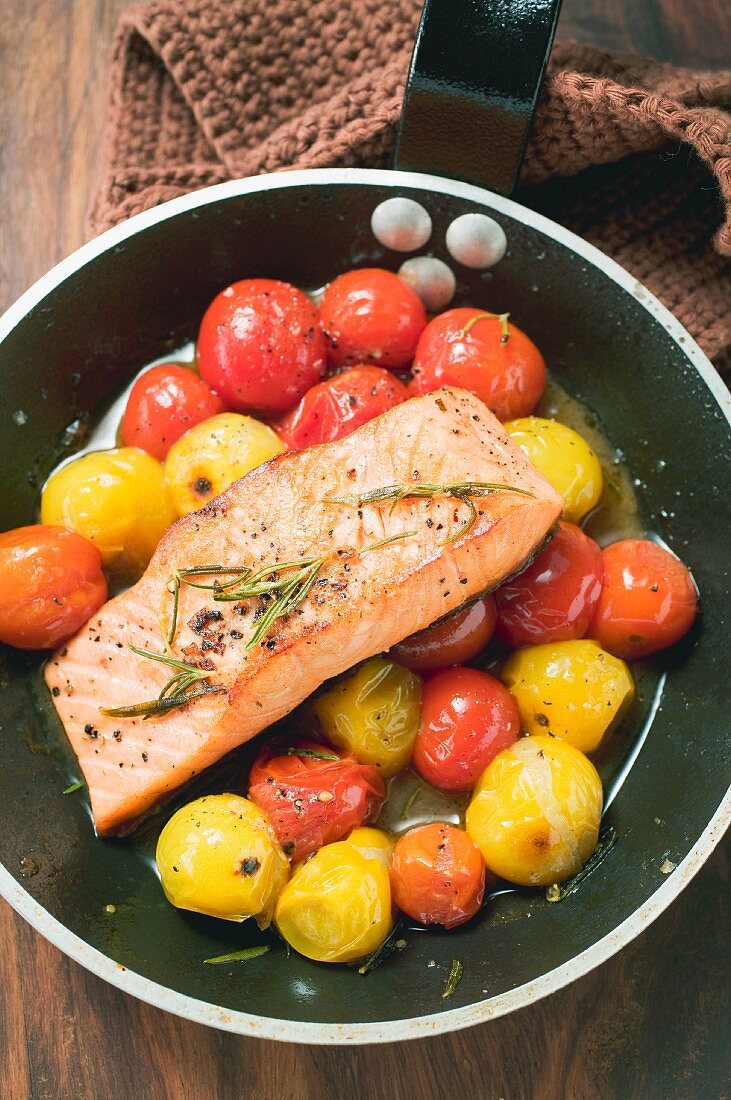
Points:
point(219, 856)
point(337, 905)
point(214, 454)
point(118, 500)
point(374, 713)
point(574, 690)
point(535, 812)
point(564, 458)
point(372, 844)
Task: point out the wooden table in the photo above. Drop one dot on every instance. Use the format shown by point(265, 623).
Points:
point(650, 1024)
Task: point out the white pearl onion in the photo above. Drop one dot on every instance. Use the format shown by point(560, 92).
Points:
point(401, 224)
point(476, 240)
point(432, 279)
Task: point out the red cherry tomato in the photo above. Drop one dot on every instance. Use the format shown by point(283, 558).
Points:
point(339, 405)
point(648, 599)
point(553, 600)
point(371, 314)
point(467, 348)
point(467, 718)
point(452, 641)
point(437, 875)
point(260, 346)
point(163, 403)
point(51, 582)
point(311, 801)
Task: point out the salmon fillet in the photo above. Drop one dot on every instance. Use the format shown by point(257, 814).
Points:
point(359, 605)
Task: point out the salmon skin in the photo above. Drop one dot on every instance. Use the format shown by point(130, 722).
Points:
point(301, 505)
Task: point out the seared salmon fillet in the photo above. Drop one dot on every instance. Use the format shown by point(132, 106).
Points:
point(301, 505)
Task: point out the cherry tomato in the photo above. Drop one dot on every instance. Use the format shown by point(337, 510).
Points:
point(51, 582)
point(468, 348)
point(467, 718)
point(437, 875)
point(451, 641)
point(553, 600)
point(648, 599)
point(338, 406)
point(163, 403)
point(260, 346)
point(371, 314)
point(312, 801)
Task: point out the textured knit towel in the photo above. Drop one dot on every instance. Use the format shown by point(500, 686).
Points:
point(632, 154)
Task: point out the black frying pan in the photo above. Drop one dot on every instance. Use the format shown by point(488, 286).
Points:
point(139, 291)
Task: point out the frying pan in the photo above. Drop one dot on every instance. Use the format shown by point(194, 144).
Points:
point(137, 292)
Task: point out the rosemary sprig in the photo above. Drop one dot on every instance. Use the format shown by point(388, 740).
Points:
point(391, 943)
point(462, 491)
point(607, 840)
point(237, 573)
point(455, 977)
point(288, 592)
point(503, 318)
point(239, 956)
point(178, 691)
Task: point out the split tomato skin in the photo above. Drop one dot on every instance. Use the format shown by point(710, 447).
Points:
point(437, 875)
point(467, 718)
point(163, 404)
point(454, 640)
point(553, 600)
point(648, 600)
point(260, 346)
point(371, 315)
point(468, 348)
point(51, 583)
point(336, 407)
point(312, 802)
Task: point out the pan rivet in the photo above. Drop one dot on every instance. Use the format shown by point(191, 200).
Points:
point(476, 240)
point(401, 224)
point(432, 279)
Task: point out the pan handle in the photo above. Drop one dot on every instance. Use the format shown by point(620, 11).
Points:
point(475, 75)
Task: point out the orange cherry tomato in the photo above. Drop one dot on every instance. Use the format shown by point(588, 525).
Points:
point(468, 348)
point(454, 640)
point(311, 801)
point(437, 875)
point(371, 315)
point(260, 346)
point(467, 718)
point(648, 599)
point(51, 583)
point(339, 405)
point(163, 403)
point(553, 600)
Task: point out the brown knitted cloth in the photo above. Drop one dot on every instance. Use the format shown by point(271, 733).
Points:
point(208, 90)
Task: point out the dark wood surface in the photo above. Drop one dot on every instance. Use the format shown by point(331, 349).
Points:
point(651, 1024)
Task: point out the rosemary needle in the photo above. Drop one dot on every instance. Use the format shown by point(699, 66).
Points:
point(607, 840)
point(455, 977)
point(239, 956)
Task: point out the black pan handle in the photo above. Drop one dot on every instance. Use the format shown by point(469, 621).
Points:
point(473, 85)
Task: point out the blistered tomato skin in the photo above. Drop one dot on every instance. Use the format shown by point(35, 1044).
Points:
point(467, 348)
point(337, 905)
point(51, 583)
point(454, 640)
point(467, 718)
point(371, 315)
point(373, 713)
point(535, 812)
point(553, 600)
point(564, 458)
point(437, 875)
point(573, 690)
point(336, 407)
point(260, 346)
point(648, 599)
point(219, 856)
point(163, 404)
point(215, 453)
point(118, 500)
point(311, 802)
